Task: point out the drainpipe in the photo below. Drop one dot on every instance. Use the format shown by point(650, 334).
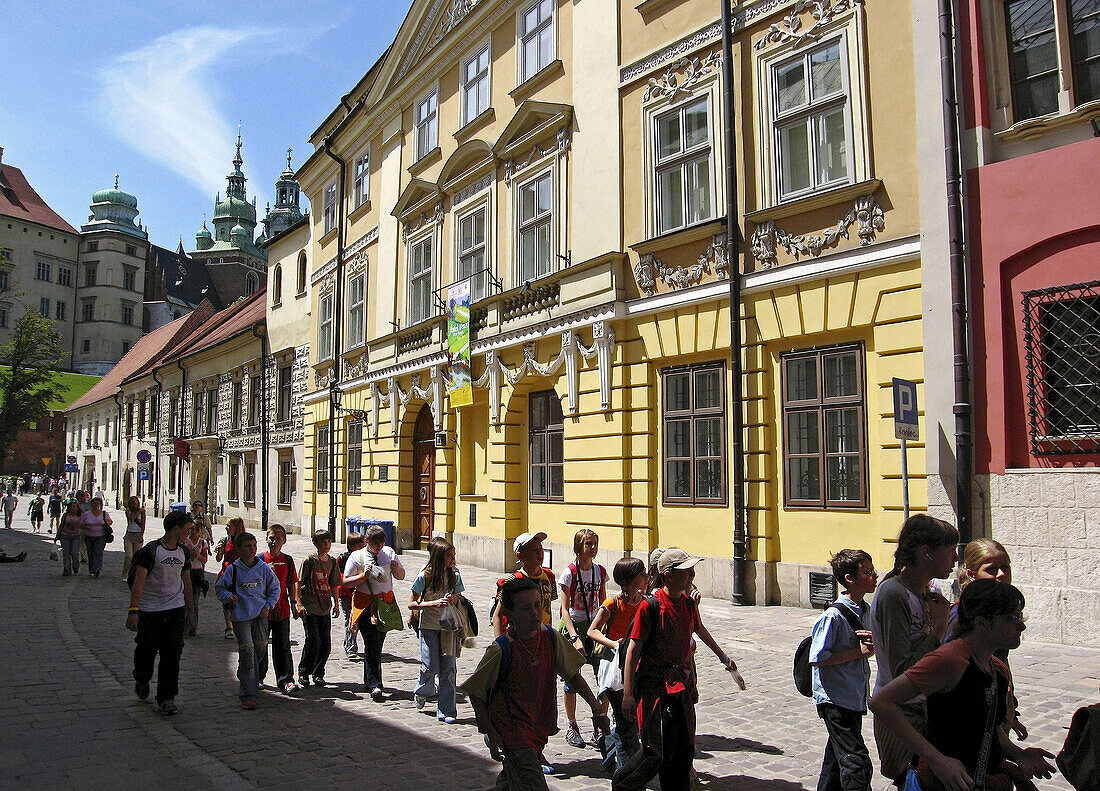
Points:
point(156, 456)
point(263, 423)
point(733, 259)
point(118, 434)
point(960, 276)
point(179, 430)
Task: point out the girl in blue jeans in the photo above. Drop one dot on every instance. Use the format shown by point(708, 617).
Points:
point(68, 532)
point(435, 587)
point(93, 524)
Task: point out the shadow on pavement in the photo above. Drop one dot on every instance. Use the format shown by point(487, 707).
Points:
point(714, 743)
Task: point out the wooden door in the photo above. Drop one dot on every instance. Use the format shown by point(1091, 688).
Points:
point(423, 477)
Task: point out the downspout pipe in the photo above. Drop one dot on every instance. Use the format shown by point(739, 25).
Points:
point(263, 423)
point(118, 435)
point(960, 277)
point(179, 430)
point(156, 455)
point(733, 260)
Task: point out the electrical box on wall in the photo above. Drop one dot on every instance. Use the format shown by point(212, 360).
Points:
point(441, 439)
point(383, 473)
point(473, 514)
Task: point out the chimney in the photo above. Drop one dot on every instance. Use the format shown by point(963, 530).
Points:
point(1, 155)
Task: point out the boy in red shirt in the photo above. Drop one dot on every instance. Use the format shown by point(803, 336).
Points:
point(528, 550)
point(278, 624)
point(659, 684)
point(514, 689)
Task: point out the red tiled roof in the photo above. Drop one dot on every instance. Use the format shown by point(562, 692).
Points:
point(19, 200)
point(237, 318)
point(146, 351)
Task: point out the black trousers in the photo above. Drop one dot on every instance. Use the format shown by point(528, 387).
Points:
point(279, 639)
point(318, 645)
point(160, 633)
point(372, 652)
point(846, 765)
point(667, 750)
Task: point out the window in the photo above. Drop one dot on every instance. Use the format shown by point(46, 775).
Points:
point(824, 400)
point(255, 400)
point(44, 306)
point(536, 38)
point(420, 280)
point(361, 185)
point(125, 347)
point(131, 250)
point(251, 284)
point(234, 481)
point(355, 455)
point(302, 272)
point(173, 414)
point(238, 404)
point(129, 278)
point(129, 419)
point(59, 310)
point(89, 275)
point(694, 446)
point(324, 328)
point(86, 346)
point(42, 271)
point(285, 400)
point(64, 276)
point(212, 411)
point(810, 100)
point(475, 85)
point(152, 415)
point(545, 446)
point(250, 481)
point(426, 124)
point(685, 175)
point(127, 312)
point(328, 212)
point(140, 419)
point(3, 317)
point(1062, 332)
point(286, 480)
point(535, 213)
point(277, 285)
point(471, 252)
point(87, 310)
point(5, 279)
point(321, 472)
point(356, 310)
point(93, 247)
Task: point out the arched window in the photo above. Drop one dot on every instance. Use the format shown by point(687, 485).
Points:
point(251, 283)
point(277, 285)
point(302, 272)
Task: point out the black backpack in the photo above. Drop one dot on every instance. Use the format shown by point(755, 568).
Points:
point(152, 547)
point(803, 672)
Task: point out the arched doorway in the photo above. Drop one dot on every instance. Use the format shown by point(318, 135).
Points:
point(423, 478)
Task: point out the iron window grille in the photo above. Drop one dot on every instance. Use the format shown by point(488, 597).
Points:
point(1062, 339)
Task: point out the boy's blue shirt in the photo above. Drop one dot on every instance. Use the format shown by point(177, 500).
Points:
point(844, 685)
point(256, 588)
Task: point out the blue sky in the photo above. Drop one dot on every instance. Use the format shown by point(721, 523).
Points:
point(154, 91)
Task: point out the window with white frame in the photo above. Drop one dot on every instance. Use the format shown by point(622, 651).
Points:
point(59, 310)
point(426, 126)
point(471, 251)
point(277, 285)
point(535, 215)
point(42, 271)
point(129, 278)
point(64, 276)
point(1053, 51)
point(357, 308)
point(87, 310)
point(811, 120)
point(536, 38)
point(127, 312)
point(420, 280)
point(301, 273)
point(328, 211)
point(286, 479)
point(685, 165)
point(5, 279)
point(324, 327)
point(475, 85)
point(44, 307)
point(234, 481)
point(361, 185)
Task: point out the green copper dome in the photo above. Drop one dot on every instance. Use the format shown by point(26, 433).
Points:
point(116, 196)
point(235, 207)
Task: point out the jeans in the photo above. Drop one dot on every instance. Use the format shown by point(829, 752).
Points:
point(522, 770)
point(372, 652)
point(318, 645)
point(351, 639)
point(160, 633)
point(624, 736)
point(433, 665)
point(8, 516)
point(70, 554)
point(279, 636)
point(251, 646)
point(131, 543)
point(846, 765)
point(95, 545)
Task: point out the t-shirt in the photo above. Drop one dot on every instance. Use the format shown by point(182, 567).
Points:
point(283, 566)
point(586, 592)
point(669, 646)
point(901, 628)
point(361, 558)
point(10, 502)
point(524, 709)
point(93, 525)
point(429, 618)
point(196, 549)
point(55, 505)
point(164, 583)
point(69, 527)
point(622, 616)
point(319, 579)
point(36, 506)
point(546, 585)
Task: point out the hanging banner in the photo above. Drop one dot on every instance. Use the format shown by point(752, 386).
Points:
point(459, 386)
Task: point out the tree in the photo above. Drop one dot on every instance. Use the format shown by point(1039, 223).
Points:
point(28, 376)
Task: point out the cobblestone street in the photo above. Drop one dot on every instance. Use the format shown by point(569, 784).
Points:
point(69, 718)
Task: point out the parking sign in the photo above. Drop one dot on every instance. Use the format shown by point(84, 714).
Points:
point(905, 410)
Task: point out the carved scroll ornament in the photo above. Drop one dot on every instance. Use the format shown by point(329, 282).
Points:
point(866, 215)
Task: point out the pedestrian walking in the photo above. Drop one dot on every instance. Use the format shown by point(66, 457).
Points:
point(251, 590)
point(436, 588)
point(134, 539)
point(354, 543)
point(9, 502)
point(199, 548)
point(226, 552)
point(318, 579)
point(372, 571)
point(161, 609)
point(68, 534)
point(36, 511)
point(198, 513)
point(93, 526)
point(54, 509)
point(840, 674)
point(278, 623)
point(528, 551)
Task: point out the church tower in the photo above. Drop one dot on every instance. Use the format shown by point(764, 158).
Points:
point(236, 266)
point(287, 210)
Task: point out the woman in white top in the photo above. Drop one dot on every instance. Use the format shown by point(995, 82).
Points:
point(93, 525)
point(135, 531)
point(371, 572)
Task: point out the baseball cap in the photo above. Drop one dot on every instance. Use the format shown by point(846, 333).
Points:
point(655, 556)
point(524, 539)
point(676, 559)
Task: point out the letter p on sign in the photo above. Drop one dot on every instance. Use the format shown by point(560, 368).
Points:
point(905, 410)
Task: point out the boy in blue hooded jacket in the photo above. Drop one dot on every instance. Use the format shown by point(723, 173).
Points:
point(252, 589)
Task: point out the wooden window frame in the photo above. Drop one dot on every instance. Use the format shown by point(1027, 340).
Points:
point(693, 415)
point(545, 434)
point(355, 484)
point(320, 471)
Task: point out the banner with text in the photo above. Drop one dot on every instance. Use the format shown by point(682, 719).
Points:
point(459, 387)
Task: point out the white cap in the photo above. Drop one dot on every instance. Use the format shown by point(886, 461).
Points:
point(523, 539)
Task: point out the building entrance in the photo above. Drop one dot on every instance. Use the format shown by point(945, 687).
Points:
point(423, 476)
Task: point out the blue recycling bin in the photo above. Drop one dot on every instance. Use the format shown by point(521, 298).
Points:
point(353, 524)
point(178, 507)
point(387, 526)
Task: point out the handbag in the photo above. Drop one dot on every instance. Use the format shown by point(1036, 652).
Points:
point(1079, 758)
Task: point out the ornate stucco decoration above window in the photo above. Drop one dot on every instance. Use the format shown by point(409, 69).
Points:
point(669, 86)
point(789, 29)
point(359, 368)
point(866, 215)
point(458, 11)
point(328, 285)
point(412, 226)
point(325, 378)
point(358, 263)
point(466, 193)
point(650, 269)
point(513, 166)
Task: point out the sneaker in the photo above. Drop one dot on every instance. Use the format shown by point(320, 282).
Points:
point(573, 736)
point(421, 701)
point(447, 720)
point(377, 695)
point(547, 769)
point(351, 656)
point(303, 681)
point(318, 681)
point(228, 634)
point(166, 707)
point(289, 688)
point(248, 704)
point(141, 689)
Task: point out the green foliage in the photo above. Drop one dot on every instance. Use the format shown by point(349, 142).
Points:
point(28, 378)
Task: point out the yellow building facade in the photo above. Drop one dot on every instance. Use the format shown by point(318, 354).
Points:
point(567, 159)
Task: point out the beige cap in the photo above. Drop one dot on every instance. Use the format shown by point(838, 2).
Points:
point(523, 539)
point(676, 559)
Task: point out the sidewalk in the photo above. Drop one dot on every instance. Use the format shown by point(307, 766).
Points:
point(69, 718)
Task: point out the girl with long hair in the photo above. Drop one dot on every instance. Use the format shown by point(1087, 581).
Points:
point(435, 588)
point(135, 531)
